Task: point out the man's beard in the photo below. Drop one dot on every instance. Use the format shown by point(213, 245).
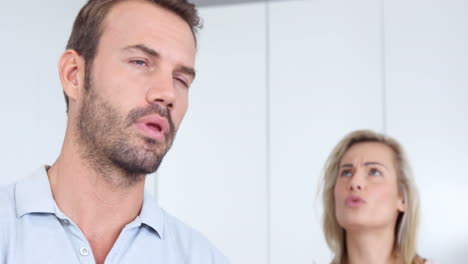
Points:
point(111, 145)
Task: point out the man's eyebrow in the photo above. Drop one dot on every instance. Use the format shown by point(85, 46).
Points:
point(143, 48)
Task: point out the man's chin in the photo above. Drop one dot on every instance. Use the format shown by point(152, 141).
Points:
point(155, 144)
point(140, 158)
point(140, 161)
point(138, 167)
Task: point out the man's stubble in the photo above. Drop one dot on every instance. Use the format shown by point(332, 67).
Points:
point(109, 143)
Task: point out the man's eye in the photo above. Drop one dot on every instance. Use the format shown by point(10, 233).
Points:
point(181, 81)
point(346, 173)
point(139, 62)
point(375, 172)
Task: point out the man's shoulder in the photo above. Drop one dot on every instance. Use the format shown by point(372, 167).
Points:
point(7, 202)
point(12, 196)
point(174, 227)
point(7, 216)
point(192, 241)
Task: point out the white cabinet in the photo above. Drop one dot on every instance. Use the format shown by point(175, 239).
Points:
point(214, 178)
point(427, 72)
point(325, 79)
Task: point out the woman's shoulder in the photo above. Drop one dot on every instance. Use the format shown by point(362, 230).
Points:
point(419, 260)
point(424, 261)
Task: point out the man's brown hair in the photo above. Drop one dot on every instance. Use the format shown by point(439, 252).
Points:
point(87, 28)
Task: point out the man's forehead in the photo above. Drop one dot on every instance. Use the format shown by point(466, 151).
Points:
point(144, 12)
point(135, 22)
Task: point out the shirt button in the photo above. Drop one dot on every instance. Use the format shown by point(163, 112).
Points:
point(84, 251)
point(65, 222)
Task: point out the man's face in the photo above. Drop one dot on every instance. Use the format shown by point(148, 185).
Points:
point(137, 92)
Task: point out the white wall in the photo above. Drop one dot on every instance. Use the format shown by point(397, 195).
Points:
point(32, 108)
point(266, 109)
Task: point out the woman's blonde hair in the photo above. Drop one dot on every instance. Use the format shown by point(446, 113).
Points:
point(407, 221)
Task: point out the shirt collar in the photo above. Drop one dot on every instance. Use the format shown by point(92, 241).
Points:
point(152, 215)
point(33, 194)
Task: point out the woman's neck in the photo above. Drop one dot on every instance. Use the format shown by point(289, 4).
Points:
point(371, 246)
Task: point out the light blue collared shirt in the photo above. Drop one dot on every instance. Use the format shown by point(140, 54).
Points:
point(34, 230)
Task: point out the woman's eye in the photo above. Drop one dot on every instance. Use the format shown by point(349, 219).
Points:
point(346, 173)
point(375, 172)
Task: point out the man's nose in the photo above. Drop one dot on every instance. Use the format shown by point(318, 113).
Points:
point(162, 90)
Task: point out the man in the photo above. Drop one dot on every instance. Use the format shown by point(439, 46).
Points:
point(125, 74)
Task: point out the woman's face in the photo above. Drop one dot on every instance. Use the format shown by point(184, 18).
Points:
point(366, 192)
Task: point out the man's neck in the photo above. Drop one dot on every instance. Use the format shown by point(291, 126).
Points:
point(370, 246)
point(88, 199)
point(99, 207)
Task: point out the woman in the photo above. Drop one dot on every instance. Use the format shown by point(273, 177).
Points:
point(370, 202)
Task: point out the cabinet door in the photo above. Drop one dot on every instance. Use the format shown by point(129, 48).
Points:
point(325, 79)
point(428, 111)
point(214, 178)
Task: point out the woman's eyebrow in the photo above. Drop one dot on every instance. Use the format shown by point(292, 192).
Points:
point(370, 163)
point(374, 163)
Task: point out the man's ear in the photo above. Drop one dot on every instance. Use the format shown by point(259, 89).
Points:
point(71, 70)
